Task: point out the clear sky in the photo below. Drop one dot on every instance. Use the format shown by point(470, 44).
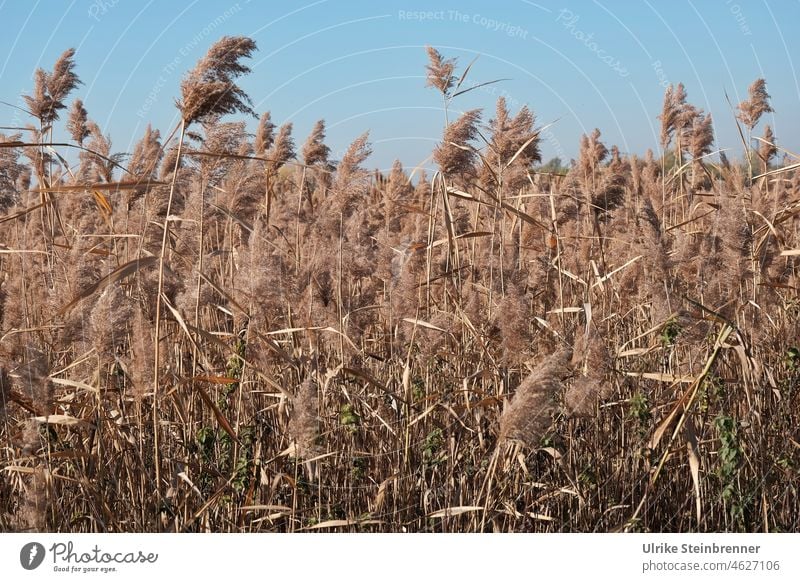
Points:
point(578, 64)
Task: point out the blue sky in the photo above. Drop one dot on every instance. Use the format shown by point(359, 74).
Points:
point(360, 65)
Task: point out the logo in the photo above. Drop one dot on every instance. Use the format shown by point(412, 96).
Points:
point(31, 555)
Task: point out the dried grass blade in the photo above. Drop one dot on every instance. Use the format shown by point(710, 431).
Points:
point(103, 203)
point(662, 377)
point(607, 276)
point(264, 508)
point(223, 422)
point(424, 324)
point(62, 419)
point(75, 384)
point(123, 185)
point(116, 275)
point(453, 511)
point(334, 523)
point(694, 465)
point(214, 379)
point(22, 213)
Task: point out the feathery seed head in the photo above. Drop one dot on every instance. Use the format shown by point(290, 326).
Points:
point(209, 89)
point(440, 71)
point(757, 104)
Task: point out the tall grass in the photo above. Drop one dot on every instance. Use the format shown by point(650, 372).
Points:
point(211, 335)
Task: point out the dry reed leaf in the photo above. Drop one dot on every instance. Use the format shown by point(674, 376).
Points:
point(185, 329)
point(636, 352)
point(425, 413)
point(425, 324)
point(185, 478)
point(567, 273)
point(380, 497)
point(321, 456)
point(442, 241)
point(790, 253)
point(540, 516)
point(123, 185)
point(522, 148)
point(772, 228)
point(246, 225)
point(103, 203)
point(515, 211)
point(334, 523)
point(264, 508)
point(291, 330)
point(223, 422)
point(460, 194)
point(74, 384)
point(271, 517)
point(271, 344)
point(694, 465)
point(19, 469)
point(567, 310)
point(662, 377)
point(687, 400)
point(406, 379)
point(655, 328)
point(212, 379)
point(62, 419)
point(116, 275)
point(665, 424)
point(457, 510)
point(22, 213)
point(782, 170)
point(7, 251)
point(607, 276)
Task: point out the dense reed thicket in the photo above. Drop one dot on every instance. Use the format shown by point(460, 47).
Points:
point(227, 332)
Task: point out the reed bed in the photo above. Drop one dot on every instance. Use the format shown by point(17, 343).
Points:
point(226, 332)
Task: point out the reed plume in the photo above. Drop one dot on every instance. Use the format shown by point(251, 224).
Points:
point(144, 161)
point(757, 104)
point(51, 89)
point(77, 122)
point(282, 149)
point(592, 364)
point(314, 151)
point(209, 89)
point(671, 112)
point(700, 141)
point(528, 415)
point(265, 134)
point(511, 136)
point(767, 149)
point(592, 152)
point(454, 155)
point(440, 71)
point(303, 426)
